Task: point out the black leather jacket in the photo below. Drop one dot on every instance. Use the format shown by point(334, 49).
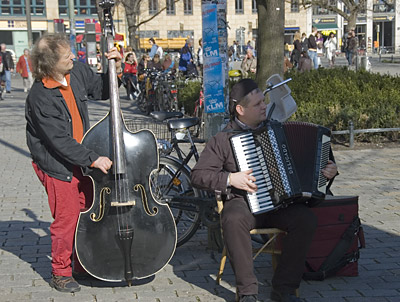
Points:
point(49, 124)
point(7, 60)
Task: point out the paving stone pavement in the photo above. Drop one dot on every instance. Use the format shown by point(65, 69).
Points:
point(373, 174)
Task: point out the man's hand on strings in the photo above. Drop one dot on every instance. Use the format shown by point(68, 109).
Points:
point(243, 180)
point(103, 163)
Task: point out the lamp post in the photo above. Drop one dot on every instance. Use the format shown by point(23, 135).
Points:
point(28, 22)
point(72, 30)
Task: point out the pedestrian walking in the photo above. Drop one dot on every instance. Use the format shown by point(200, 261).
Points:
point(24, 68)
point(331, 47)
point(8, 66)
point(186, 61)
point(351, 47)
point(304, 42)
point(295, 57)
point(312, 47)
point(249, 63)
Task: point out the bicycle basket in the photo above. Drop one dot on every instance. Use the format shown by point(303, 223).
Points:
point(159, 129)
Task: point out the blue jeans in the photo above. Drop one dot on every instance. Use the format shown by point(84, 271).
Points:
point(314, 58)
point(349, 57)
point(6, 77)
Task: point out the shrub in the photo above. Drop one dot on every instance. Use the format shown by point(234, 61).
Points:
point(334, 97)
point(188, 94)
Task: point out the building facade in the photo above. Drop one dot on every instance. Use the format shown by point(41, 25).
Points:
point(378, 27)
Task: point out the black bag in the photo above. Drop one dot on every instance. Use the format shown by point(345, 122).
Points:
point(335, 247)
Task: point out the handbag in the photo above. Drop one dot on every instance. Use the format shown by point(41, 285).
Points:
point(1, 67)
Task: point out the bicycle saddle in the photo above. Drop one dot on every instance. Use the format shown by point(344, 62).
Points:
point(182, 123)
point(162, 115)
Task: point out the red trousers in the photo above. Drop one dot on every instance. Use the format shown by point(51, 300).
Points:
point(66, 199)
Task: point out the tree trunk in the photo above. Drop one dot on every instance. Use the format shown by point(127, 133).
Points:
point(351, 22)
point(270, 40)
point(132, 11)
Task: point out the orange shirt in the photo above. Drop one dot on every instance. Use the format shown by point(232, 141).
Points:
point(66, 91)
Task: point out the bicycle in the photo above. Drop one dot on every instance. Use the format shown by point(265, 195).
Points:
point(147, 99)
point(167, 94)
point(171, 182)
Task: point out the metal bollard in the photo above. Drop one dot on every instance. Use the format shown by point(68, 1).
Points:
point(351, 131)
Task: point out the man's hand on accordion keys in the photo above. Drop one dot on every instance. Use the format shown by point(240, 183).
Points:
point(243, 180)
point(330, 170)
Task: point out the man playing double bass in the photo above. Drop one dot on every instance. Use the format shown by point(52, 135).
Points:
point(57, 118)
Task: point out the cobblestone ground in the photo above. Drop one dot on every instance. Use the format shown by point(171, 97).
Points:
point(373, 174)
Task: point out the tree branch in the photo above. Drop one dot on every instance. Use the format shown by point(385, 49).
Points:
point(155, 15)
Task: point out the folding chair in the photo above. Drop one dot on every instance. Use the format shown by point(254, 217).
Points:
point(268, 247)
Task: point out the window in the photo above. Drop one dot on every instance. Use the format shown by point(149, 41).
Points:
point(188, 7)
point(381, 6)
point(63, 7)
point(81, 7)
point(149, 34)
point(254, 7)
point(153, 7)
point(239, 6)
point(179, 34)
point(17, 8)
point(294, 6)
point(170, 5)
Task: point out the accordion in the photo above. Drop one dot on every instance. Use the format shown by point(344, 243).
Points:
point(286, 159)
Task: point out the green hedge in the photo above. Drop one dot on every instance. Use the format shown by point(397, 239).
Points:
point(188, 94)
point(333, 97)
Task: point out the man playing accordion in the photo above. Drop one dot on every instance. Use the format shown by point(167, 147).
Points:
point(217, 170)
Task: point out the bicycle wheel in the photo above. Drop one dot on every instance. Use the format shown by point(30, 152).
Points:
point(172, 185)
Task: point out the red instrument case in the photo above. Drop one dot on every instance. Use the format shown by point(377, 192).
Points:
point(335, 248)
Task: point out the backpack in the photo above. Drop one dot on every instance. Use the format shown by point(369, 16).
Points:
point(160, 51)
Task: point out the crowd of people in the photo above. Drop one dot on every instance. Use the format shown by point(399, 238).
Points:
point(308, 51)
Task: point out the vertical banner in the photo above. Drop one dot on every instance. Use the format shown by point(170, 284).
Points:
point(213, 85)
point(213, 76)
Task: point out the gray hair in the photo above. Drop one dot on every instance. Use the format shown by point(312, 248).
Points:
point(45, 54)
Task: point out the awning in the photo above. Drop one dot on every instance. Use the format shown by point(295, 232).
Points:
point(292, 28)
point(325, 26)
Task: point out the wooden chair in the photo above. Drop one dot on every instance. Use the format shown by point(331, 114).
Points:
point(268, 247)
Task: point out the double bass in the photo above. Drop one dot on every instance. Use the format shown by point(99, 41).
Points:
point(126, 234)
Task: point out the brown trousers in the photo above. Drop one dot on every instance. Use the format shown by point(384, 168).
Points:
point(297, 220)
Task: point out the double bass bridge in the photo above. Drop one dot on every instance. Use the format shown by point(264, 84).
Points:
point(123, 204)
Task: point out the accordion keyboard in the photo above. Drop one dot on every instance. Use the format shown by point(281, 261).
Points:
point(250, 156)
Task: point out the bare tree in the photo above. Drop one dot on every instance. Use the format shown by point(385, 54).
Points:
point(132, 12)
point(270, 40)
point(348, 9)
